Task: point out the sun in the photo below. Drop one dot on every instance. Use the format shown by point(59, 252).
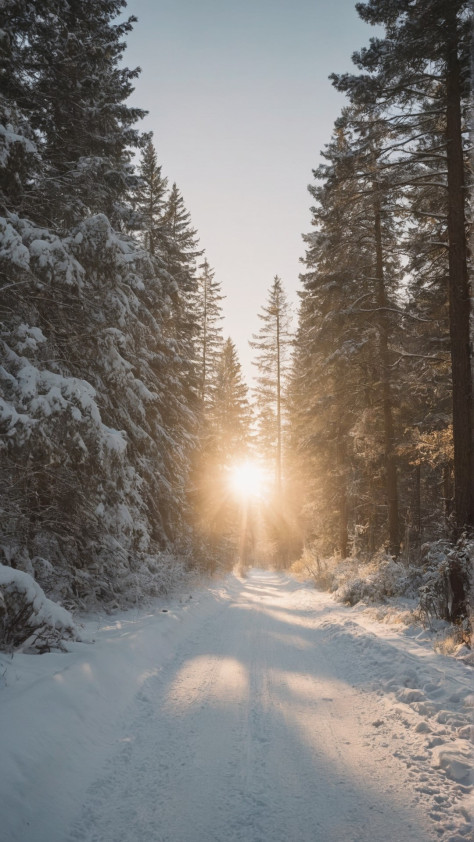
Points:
point(247, 479)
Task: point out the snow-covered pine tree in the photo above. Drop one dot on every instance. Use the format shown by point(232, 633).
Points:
point(209, 330)
point(66, 77)
point(93, 407)
point(272, 344)
point(20, 162)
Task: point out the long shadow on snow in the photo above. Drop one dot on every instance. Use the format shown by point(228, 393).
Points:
point(235, 752)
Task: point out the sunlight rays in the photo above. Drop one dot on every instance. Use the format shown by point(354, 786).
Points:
point(248, 480)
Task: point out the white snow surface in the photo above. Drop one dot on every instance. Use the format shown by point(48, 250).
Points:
point(254, 710)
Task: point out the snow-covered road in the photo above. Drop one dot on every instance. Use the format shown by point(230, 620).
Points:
point(260, 712)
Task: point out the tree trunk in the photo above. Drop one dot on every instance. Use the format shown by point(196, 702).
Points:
point(204, 346)
point(278, 407)
point(341, 468)
point(459, 299)
point(447, 493)
point(417, 513)
point(389, 436)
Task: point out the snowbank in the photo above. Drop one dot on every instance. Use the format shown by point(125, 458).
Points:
point(64, 715)
point(28, 619)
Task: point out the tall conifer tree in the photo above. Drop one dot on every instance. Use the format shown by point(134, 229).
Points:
point(272, 344)
point(209, 335)
point(149, 200)
point(229, 413)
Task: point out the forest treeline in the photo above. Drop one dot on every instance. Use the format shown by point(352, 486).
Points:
point(380, 400)
point(123, 406)
point(114, 372)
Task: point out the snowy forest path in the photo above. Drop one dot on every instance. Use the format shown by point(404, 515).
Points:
point(257, 730)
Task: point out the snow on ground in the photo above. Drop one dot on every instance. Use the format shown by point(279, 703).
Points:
point(258, 710)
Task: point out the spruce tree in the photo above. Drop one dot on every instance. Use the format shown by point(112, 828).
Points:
point(343, 384)
point(272, 344)
point(209, 330)
point(225, 442)
point(63, 64)
point(229, 413)
point(149, 201)
point(182, 252)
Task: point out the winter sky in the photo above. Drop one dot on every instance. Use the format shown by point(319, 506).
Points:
point(240, 104)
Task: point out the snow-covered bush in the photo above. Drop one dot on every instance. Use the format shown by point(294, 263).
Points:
point(153, 576)
point(321, 571)
point(353, 580)
point(446, 587)
point(377, 581)
point(28, 619)
point(443, 583)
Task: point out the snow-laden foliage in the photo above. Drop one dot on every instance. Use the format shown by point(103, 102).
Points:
point(378, 581)
point(447, 579)
point(28, 619)
point(96, 410)
point(92, 417)
point(62, 65)
point(354, 580)
point(438, 581)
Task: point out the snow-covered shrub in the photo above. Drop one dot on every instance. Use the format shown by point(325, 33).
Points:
point(28, 619)
point(446, 586)
point(381, 579)
point(355, 581)
point(321, 571)
point(156, 575)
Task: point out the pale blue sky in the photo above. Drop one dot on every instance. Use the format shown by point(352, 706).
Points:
point(240, 105)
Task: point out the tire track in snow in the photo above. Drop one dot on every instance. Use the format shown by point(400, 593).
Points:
point(254, 733)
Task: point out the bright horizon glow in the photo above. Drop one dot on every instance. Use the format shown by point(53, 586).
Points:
point(247, 479)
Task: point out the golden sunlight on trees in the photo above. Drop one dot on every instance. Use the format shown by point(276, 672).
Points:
point(127, 434)
point(272, 344)
point(225, 442)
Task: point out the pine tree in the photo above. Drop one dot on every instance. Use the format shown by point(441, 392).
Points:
point(149, 201)
point(183, 237)
point(63, 60)
point(209, 337)
point(182, 252)
point(272, 344)
point(225, 442)
point(20, 161)
point(229, 414)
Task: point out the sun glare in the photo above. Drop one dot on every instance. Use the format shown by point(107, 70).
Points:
point(247, 479)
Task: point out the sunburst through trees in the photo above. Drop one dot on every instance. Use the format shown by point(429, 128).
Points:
point(239, 482)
